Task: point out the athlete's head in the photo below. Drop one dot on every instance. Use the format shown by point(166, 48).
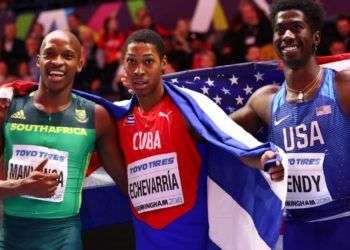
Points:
point(144, 59)
point(312, 11)
point(296, 26)
point(59, 60)
point(146, 36)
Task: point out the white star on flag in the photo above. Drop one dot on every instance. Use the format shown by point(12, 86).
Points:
point(210, 82)
point(217, 99)
point(226, 91)
point(233, 80)
point(248, 90)
point(259, 76)
point(230, 109)
point(205, 90)
point(196, 78)
point(239, 100)
point(174, 80)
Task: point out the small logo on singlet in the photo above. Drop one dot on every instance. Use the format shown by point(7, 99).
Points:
point(18, 115)
point(130, 120)
point(165, 115)
point(323, 110)
point(278, 122)
point(81, 116)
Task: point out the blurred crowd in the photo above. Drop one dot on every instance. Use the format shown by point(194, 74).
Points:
point(249, 39)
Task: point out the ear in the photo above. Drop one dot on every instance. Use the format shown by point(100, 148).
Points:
point(317, 38)
point(164, 61)
point(80, 65)
point(81, 61)
point(37, 61)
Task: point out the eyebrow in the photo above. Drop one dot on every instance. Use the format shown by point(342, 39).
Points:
point(289, 22)
point(145, 55)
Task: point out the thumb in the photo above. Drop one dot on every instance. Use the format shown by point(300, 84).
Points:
point(40, 167)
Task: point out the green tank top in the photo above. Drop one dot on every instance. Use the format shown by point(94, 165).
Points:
point(66, 138)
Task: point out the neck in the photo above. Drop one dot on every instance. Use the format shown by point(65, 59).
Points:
point(50, 101)
point(146, 102)
point(298, 79)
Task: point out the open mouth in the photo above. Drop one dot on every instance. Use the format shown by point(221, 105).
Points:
point(55, 75)
point(289, 50)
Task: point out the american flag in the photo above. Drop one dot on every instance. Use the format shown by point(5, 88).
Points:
point(229, 86)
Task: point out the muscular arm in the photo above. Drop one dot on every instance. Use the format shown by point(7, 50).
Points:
point(108, 147)
point(36, 184)
point(252, 116)
point(343, 90)
point(256, 112)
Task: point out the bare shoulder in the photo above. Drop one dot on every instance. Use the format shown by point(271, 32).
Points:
point(342, 79)
point(103, 120)
point(256, 112)
point(261, 100)
point(263, 94)
point(101, 112)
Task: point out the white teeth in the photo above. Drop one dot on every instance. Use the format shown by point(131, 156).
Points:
point(291, 48)
point(54, 72)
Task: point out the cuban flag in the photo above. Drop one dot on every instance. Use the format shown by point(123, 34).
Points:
point(233, 224)
point(244, 206)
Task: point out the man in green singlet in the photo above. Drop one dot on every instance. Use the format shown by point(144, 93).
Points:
point(56, 131)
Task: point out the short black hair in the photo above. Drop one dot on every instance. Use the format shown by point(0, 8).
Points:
point(146, 36)
point(313, 11)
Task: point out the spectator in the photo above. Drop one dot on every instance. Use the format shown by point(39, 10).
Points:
point(181, 35)
point(23, 72)
point(4, 73)
point(205, 59)
point(343, 29)
point(6, 15)
point(181, 52)
point(250, 28)
point(253, 54)
point(12, 50)
point(110, 42)
point(337, 47)
point(32, 49)
point(145, 21)
point(75, 25)
point(91, 70)
point(37, 32)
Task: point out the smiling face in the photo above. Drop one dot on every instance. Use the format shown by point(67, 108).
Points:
point(143, 67)
point(59, 60)
point(293, 38)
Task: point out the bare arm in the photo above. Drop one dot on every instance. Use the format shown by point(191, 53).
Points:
point(252, 116)
point(108, 147)
point(256, 112)
point(36, 184)
point(343, 90)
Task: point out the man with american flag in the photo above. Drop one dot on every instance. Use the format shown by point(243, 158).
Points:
point(309, 118)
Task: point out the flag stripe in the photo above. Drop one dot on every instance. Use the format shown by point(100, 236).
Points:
point(262, 204)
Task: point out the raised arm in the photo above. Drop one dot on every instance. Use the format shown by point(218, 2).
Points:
point(108, 147)
point(256, 112)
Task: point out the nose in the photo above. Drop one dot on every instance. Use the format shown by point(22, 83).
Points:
point(58, 60)
point(139, 70)
point(288, 35)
